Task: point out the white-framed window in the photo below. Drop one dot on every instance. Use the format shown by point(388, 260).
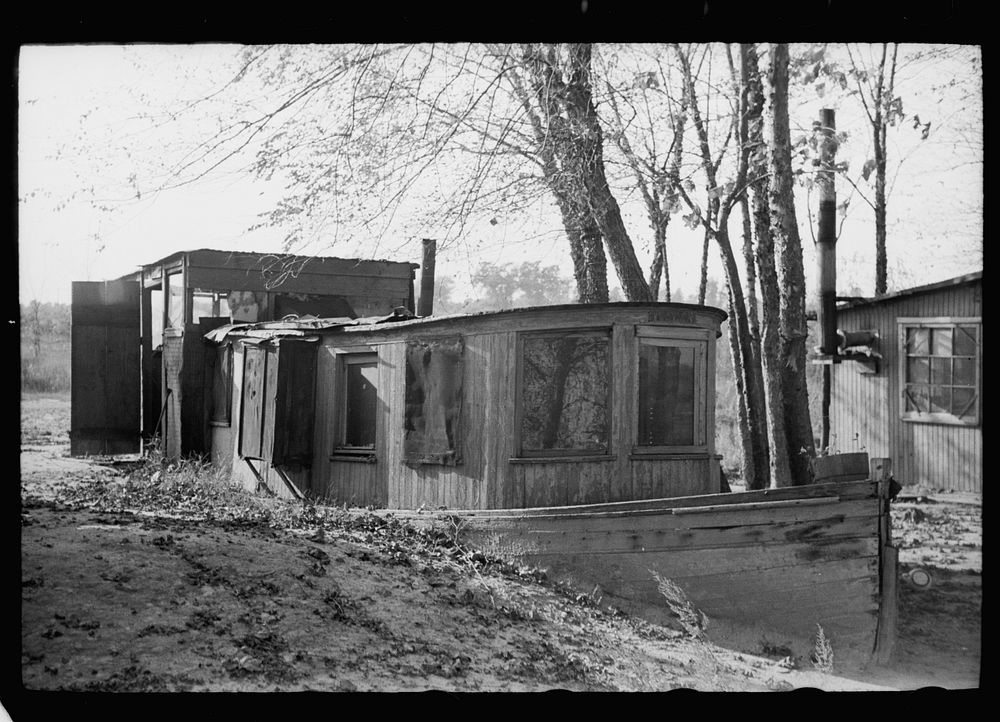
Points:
point(358, 407)
point(671, 390)
point(940, 370)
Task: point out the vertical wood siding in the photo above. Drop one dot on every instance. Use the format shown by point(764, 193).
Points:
point(938, 456)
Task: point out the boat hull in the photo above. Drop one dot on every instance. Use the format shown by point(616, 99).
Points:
point(766, 567)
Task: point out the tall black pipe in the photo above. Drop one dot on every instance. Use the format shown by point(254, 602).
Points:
point(425, 305)
point(826, 238)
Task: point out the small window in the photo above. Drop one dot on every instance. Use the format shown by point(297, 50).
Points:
point(359, 404)
point(222, 386)
point(940, 371)
point(667, 388)
point(175, 301)
point(432, 422)
point(565, 391)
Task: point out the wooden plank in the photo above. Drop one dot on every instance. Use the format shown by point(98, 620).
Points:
point(357, 286)
point(840, 467)
point(885, 641)
point(252, 402)
point(848, 491)
point(623, 424)
point(235, 260)
point(819, 501)
point(587, 540)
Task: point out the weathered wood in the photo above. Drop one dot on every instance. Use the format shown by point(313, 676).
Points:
point(252, 402)
point(885, 641)
point(759, 505)
point(504, 539)
point(106, 396)
point(866, 410)
point(840, 467)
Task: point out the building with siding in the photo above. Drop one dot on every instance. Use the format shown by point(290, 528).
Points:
point(918, 399)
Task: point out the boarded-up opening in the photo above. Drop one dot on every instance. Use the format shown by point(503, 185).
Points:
point(434, 372)
point(278, 396)
point(106, 399)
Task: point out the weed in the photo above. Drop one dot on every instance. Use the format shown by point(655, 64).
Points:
point(822, 654)
point(694, 621)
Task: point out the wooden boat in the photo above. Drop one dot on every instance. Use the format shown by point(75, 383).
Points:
point(766, 567)
point(577, 438)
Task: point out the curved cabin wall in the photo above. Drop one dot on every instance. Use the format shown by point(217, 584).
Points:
point(493, 472)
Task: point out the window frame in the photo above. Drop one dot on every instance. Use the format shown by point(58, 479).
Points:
point(698, 339)
point(340, 447)
point(903, 324)
point(542, 455)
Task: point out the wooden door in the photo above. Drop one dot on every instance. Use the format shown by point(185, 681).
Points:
point(106, 399)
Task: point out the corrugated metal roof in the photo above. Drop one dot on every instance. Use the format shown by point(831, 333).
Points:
point(957, 281)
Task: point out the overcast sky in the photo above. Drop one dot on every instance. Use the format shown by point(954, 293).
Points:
point(71, 92)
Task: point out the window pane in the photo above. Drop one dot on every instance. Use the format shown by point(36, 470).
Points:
point(965, 341)
point(917, 398)
point(564, 398)
point(941, 341)
point(223, 307)
point(940, 370)
point(917, 370)
point(201, 305)
point(175, 301)
point(941, 399)
point(917, 341)
point(434, 371)
point(964, 372)
point(362, 396)
point(666, 396)
point(963, 403)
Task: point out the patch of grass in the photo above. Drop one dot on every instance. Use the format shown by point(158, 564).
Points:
point(46, 368)
point(694, 621)
point(822, 654)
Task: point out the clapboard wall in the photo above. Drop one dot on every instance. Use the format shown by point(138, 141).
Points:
point(490, 475)
point(865, 408)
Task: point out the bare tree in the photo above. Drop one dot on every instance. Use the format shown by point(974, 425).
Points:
point(791, 274)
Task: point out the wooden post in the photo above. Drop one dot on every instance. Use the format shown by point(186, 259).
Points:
point(885, 638)
point(426, 302)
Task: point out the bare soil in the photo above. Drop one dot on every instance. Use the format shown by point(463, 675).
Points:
point(130, 582)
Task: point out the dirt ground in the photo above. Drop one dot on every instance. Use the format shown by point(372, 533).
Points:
point(140, 585)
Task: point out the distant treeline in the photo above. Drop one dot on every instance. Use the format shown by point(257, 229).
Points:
point(45, 347)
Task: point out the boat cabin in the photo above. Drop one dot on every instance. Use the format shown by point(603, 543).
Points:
point(547, 406)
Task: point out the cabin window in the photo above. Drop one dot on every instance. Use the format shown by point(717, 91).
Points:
point(671, 395)
point(222, 386)
point(940, 370)
point(175, 300)
point(358, 386)
point(433, 401)
point(565, 389)
point(209, 304)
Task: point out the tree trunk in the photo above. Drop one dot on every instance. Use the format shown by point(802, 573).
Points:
point(745, 364)
point(791, 277)
point(703, 283)
point(881, 258)
point(751, 271)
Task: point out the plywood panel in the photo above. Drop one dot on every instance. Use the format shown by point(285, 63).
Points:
point(106, 400)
